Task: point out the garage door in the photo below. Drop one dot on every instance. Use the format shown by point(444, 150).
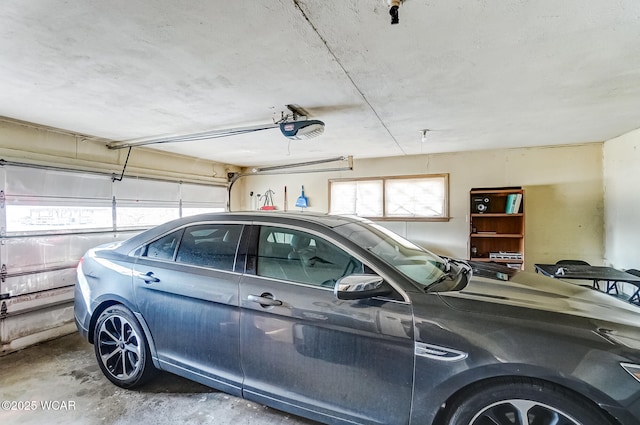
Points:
point(49, 217)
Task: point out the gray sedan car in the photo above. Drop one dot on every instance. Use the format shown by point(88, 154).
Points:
point(342, 321)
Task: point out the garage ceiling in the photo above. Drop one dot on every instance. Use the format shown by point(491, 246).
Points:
point(478, 74)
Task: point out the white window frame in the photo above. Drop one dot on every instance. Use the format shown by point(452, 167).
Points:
point(386, 215)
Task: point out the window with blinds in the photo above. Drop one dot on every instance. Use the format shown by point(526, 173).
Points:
point(422, 197)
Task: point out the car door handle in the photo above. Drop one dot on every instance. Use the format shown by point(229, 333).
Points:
point(265, 300)
point(148, 277)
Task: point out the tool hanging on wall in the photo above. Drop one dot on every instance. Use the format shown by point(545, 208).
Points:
point(268, 200)
point(285, 199)
point(302, 201)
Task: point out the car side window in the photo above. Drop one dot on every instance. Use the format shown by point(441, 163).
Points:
point(210, 245)
point(163, 248)
point(302, 257)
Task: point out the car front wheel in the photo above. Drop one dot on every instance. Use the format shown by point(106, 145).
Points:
point(523, 402)
point(121, 348)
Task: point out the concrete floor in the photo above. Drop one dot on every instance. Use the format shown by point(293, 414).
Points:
point(62, 384)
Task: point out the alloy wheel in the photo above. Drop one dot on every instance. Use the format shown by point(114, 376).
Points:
point(522, 412)
point(119, 347)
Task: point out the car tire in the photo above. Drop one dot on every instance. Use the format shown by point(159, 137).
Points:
point(121, 348)
point(507, 401)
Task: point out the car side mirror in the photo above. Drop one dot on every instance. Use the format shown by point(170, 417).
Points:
point(360, 286)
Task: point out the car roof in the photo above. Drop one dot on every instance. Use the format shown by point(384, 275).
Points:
point(317, 219)
point(323, 219)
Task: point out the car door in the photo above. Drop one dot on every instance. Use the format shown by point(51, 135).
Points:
point(304, 350)
point(186, 288)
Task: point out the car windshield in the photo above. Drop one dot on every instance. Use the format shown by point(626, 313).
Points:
point(413, 261)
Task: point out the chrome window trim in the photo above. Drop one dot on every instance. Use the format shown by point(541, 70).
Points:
point(184, 226)
point(291, 282)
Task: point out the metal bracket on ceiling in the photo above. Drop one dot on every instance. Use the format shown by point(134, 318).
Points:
point(119, 179)
point(297, 113)
point(394, 5)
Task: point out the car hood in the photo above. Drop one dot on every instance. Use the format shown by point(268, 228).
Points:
point(505, 289)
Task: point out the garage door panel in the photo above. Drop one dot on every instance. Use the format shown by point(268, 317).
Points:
point(34, 264)
point(31, 318)
point(22, 181)
point(42, 252)
point(36, 253)
point(38, 282)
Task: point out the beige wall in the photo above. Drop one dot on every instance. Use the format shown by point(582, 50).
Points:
point(23, 142)
point(564, 187)
point(563, 196)
point(622, 200)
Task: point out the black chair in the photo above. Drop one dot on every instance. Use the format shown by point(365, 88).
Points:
point(635, 298)
point(572, 262)
point(594, 284)
point(634, 272)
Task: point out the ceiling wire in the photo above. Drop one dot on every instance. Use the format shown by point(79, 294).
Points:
point(297, 5)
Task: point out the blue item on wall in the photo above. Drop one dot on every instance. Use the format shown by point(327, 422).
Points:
point(302, 201)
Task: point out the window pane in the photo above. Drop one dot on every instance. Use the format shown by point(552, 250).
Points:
point(369, 198)
point(343, 198)
point(415, 197)
point(164, 247)
point(23, 218)
point(301, 257)
point(144, 216)
point(359, 197)
point(210, 245)
point(408, 258)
